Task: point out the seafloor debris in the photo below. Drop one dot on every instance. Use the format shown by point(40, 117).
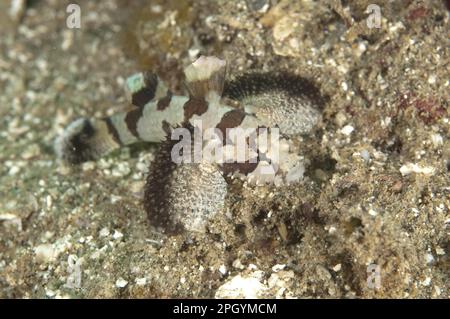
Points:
point(17, 9)
point(263, 111)
point(252, 285)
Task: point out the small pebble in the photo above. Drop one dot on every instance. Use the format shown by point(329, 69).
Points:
point(365, 155)
point(141, 281)
point(50, 293)
point(122, 169)
point(347, 130)
point(223, 269)
point(372, 212)
point(14, 170)
point(117, 234)
point(238, 264)
point(432, 79)
point(121, 283)
point(426, 282)
point(332, 230)
point(104, 232)
point(337, 267)
point(437, 140)
point(115, 199)
point(278, 267)
point(429, 258)
point(44, 253)
point(88, 166)
point(340, 119)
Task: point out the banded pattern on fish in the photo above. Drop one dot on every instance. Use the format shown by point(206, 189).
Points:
point(178, 196)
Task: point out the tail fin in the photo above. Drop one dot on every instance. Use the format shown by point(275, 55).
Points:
point(84, 140)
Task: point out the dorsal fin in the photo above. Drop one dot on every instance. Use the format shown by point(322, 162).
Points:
point(205, 77)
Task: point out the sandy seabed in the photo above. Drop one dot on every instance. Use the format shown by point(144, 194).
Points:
point(375, 198)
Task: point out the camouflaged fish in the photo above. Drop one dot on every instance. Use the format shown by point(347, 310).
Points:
point(185, 195)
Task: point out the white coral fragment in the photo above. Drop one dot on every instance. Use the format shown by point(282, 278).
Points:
point(415, 168)
point(243, 286)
